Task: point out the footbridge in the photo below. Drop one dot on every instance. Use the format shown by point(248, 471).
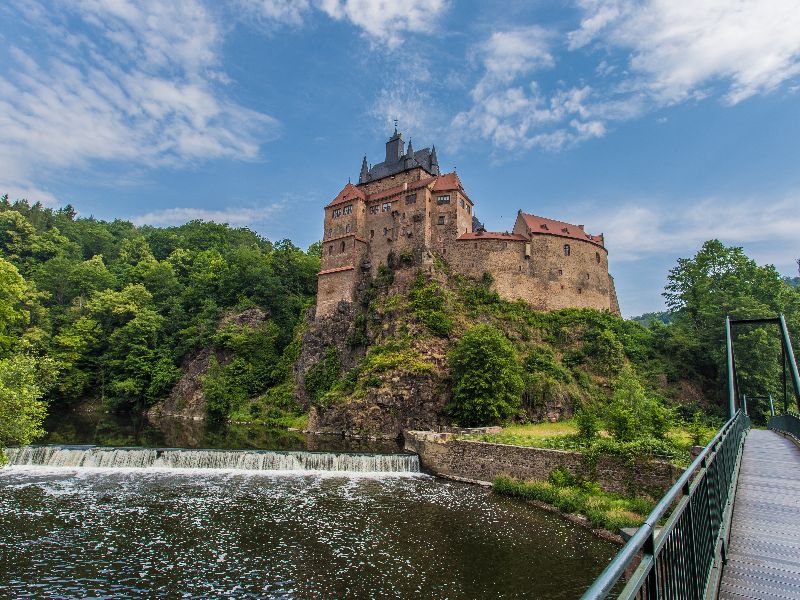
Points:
point(730, 526)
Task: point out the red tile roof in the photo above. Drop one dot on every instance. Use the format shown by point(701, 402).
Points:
point(541, 225)
point(492, 235)
point(399, 189)
point(336, 270)
point(348, 194)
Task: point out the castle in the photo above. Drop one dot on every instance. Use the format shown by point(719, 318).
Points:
point(404, 206)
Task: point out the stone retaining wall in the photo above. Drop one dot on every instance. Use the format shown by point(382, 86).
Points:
point(482, 462)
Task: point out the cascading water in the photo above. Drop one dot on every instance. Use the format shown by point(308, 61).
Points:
point(236, 460)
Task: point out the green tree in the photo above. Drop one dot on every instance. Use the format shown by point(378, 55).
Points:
point(720, 281)
point(487, 380)
point(22, 409)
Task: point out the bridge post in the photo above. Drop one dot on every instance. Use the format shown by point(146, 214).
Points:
point(787, 342)
point(731, 373)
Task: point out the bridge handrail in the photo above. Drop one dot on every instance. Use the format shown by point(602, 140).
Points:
point(705, 473)
point(787, 423)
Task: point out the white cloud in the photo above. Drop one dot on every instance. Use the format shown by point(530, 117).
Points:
point(142, 86)
point(237, 217)
point(638, 230)
point(386, 20)
point(679, 47)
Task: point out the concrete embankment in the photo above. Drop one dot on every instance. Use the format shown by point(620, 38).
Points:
point(481, 462)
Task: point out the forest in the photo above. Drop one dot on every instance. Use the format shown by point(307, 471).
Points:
point(107, 312)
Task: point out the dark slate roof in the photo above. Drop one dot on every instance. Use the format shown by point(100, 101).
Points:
point(398, 159)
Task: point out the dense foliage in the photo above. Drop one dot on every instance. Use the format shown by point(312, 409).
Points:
point(117, 308)
point(719, 281)
point(487, 379)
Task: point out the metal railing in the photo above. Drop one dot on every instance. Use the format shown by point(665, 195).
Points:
point(677, 561)
point(788, 424)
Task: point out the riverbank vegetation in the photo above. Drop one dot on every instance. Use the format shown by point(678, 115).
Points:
point(564, 492)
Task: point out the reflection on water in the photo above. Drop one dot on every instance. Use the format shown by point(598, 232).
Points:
point(153, 535)
point(106, 429)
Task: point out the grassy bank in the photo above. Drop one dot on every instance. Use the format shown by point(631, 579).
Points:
point(604, 511)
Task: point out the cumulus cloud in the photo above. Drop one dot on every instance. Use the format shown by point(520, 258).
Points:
point(141, 85)
point(638, 230)
point(237, 217)
point(386, 20)
point(679, 48)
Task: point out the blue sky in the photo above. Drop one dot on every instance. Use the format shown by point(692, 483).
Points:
point(661, 123)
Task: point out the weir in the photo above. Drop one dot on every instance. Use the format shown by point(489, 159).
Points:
point(89, 457)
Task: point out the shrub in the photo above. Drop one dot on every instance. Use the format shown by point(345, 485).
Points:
point(428, 305)
point(487, 380)
point(588, 424)
point(561, 477)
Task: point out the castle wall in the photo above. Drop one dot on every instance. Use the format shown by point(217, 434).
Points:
point(332, 287)
point(546, 278)
point(373, 187)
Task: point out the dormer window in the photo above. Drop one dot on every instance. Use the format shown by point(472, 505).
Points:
point(443, 199)
point(544, 226)
point(565, 230)
point(566, 250)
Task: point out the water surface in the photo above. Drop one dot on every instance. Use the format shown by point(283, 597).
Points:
point(137, 533)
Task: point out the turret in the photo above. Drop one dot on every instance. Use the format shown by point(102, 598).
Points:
point(434, 162)
point(394, 148)
point(410, 162)
point(364, 171)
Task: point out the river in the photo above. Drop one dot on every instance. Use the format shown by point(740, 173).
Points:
point(200, 525)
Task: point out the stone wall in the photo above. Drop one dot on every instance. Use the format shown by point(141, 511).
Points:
point(443, 455)
point(538, 271)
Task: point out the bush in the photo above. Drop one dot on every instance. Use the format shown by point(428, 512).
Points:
point(321, 377)
point(487, 380)
point(631, 414)
point(429, 306)
point(588, 424)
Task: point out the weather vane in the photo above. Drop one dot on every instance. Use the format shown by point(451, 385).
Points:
point(395, 125)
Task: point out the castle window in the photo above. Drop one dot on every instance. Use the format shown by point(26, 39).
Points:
point(342, 250)
point(443, 199)
point(461, 202)
point(411, 199)
point(441, 219)
point(371, 233)
point(347, 228)
point(544, 226)
point(587, 277)
point(566, 250)
point(597, 256)
point(385, 231)
point(469, 210)
point(347, 209)
point(560, 272)
point(337, 213)
point(330, 231)
point(330, 249)
point(476, 244)
point(374, 210)
point(579, 290)
point(387, 206)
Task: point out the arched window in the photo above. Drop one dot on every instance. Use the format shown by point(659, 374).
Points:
point(342, 246)
point(566, 249)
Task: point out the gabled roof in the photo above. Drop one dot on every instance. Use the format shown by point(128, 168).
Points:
point(544, 226)
point(448, 181)
point(348, 194)
point(398, 189)
point(492, 235)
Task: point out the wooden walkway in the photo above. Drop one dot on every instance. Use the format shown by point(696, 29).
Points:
point(764, 553)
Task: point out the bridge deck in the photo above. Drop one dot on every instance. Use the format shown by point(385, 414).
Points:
point(764, 554)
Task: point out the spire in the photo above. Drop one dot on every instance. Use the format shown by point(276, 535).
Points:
point(410, 151)
point(364, 171)
point(434, 161)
